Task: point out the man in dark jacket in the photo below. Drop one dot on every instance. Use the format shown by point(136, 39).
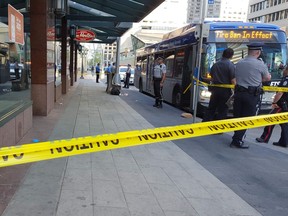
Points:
point(222, 72)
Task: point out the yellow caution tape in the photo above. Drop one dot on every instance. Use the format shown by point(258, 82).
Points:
point(188, 87)
point(265, 88)
point(62, 148)
point(275, 89)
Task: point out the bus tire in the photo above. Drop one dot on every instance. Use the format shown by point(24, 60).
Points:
point(140, 86)
point(177, 98)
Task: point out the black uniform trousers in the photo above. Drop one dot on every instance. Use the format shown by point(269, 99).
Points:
point(97, 76)
point(269, 129)
point(157, 90)
point(217, 108)
point(244, 105)
point(283, 141)
point(17, 74)
point(127, 80)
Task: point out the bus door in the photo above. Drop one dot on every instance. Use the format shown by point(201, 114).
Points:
point(149, 75)
point(189, 64)
point(178, 77)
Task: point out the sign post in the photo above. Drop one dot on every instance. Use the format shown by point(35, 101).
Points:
point(198, 64)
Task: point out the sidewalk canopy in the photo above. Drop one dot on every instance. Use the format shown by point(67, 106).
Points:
point(109, 19)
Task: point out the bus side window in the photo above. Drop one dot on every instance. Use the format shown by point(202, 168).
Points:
point(169, 61)
point(144, 67)
point(189, 60)
point(179, 64)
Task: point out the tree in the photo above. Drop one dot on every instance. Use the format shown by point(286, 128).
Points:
point(96, 58)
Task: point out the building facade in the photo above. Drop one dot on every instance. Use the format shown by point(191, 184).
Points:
point(234, 10)
point(269, 11)
point(194, 10)
point(152, 28)
point(164, 16)
point(220, 9)
point(109, 53)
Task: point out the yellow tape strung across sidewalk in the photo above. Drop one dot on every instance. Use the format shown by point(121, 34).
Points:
point(265, 88)
point(61, 148)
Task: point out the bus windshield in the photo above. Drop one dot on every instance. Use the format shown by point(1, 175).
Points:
point(274, 56)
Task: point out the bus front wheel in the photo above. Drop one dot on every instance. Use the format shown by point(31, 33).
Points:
point(177, 98)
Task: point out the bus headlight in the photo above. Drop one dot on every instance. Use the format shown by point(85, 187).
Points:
point(205, 93)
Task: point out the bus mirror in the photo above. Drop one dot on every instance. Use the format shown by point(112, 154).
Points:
point(206, 28)
point(197, 32)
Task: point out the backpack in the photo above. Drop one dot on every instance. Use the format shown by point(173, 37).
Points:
point(115, 91)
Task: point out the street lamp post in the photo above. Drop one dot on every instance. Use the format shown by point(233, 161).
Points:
point(83, 52)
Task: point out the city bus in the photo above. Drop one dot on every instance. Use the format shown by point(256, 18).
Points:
point(180, 50)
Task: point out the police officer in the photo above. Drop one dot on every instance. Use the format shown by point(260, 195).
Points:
point(281, 101)
point(267, 132)
point(127, 78)
point(158, 81)
point(250, 72)
point(222, 72)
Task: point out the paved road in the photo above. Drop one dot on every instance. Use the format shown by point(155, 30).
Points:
point(258, 175)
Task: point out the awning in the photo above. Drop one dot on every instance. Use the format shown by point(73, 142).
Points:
point(109, 19)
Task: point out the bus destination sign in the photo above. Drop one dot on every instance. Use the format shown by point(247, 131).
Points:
point(250, 35)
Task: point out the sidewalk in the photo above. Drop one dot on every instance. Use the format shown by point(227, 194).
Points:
point(158, 179)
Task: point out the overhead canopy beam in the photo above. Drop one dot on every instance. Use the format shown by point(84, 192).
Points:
point(109, 19)
point(98, 18)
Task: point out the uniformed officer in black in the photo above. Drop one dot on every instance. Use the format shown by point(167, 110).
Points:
point(222, 72)
point(267, 132)
point(250, 72)
point(281, 101)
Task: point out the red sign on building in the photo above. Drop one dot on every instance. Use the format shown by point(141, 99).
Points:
point(84, 35)
point(51, 34)
point(15, 25)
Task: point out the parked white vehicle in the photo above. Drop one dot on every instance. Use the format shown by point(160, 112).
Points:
point(122, 72)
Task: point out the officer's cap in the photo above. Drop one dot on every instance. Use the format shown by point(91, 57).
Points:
point(255, 46)
point(160, 58)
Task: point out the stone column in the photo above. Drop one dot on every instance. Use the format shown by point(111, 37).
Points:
point(42, 87)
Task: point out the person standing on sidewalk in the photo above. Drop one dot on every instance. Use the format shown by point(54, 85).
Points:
point(250, 73)
point(265, 137)
point(281, 101)
point(222, 72)
point(113, 70)
point(127, 78)
point(16, 69)
point(158, 81)
point(98, 70)
point(92, 70)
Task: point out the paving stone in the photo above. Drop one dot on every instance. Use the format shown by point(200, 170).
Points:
point(110, 211)
point(143, 205)
point(75, 202)
point(108, 193)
